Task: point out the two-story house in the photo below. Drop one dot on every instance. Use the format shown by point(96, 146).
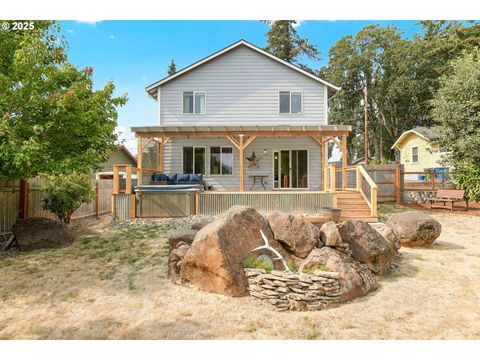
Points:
point(242, 116)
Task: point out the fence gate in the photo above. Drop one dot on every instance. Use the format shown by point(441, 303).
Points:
point(387, 178)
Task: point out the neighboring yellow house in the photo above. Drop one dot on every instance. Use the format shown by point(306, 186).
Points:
point(418, 149)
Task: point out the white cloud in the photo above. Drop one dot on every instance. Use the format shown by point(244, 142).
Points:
point(127, 138)
point(89, 22)
point(70, 31)
point(111, 36)
point(299, 22)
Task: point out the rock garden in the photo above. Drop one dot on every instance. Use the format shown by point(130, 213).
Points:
point(288, 263)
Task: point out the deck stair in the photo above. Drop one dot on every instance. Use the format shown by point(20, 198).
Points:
point(354, 207)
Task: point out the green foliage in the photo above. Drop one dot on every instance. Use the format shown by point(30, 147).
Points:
point(172, 68)
point(456, 108)
point(401, 75)
point(51, 118)
point(253, 262)
point(284, 42)
point(65, 194)
point(292, 266)
point(316, 268)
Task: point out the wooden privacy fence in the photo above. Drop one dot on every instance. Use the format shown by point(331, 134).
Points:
point(18, 197)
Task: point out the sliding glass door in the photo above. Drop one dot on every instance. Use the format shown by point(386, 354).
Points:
point(290, 169)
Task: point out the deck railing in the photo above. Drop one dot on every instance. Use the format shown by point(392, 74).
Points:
point(367, 187)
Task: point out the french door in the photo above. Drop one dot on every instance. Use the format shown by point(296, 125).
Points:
point(290, 169)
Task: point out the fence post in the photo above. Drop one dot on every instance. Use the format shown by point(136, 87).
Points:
point(128, 179)
point(133, 204)
point(23, 205)
point(398, 190)
point(432, 174)
point(97, 200)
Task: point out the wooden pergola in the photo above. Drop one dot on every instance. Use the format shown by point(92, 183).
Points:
point(241, 137)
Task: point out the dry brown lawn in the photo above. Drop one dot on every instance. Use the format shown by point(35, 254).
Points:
point(112, 284)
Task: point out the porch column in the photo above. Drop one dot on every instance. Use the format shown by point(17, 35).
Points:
point(160, 155)
point(139, 159)
point(240, 151)
point(323, 146)
point(344, 162)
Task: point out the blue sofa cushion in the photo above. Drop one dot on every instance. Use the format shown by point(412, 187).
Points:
point(182, 177)
point(159, 177)
point(172, 177)
point(195, 177)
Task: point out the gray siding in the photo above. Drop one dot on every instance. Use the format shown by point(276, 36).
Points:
point(242, 88)
point(173, 160)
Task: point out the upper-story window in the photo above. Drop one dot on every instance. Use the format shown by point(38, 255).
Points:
point(290, 102)
point(194, 102)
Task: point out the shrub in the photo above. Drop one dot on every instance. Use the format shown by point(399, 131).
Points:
point(65, 194)
point(253, 262)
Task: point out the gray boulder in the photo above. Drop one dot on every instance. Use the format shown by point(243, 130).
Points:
point(329, 234)
point(296, 235)
point(415, 228)
point(37, 233)
point(177, 236)
point(355, 278)
point(367, 245)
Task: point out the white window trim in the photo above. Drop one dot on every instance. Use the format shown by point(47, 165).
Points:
point(193, 165)
point(221, 167)
point(194, 93)
point(290, 185)
point(411, 155)
point(290, 97)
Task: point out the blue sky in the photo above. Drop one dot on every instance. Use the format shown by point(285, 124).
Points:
point(135, 54)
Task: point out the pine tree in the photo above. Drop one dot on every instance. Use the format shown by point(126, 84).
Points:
point(172, 68)
point(285, 43)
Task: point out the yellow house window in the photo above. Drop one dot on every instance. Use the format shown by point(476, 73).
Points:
point(415, 154)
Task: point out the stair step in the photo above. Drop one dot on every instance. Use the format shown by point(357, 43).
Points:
point(349, 196)
point(351, 201)
point(355, 212)
point(363, 207)
point(361, 218)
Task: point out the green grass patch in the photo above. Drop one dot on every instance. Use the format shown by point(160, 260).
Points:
point(385, 211)
point(317, 268)
point(253, 262)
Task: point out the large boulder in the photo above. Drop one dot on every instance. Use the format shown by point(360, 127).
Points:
point(367, 245)
point(387, 233)
point(177, 236)
point(330, 235)
point(37, 233)
point(415, 228)
point(296, 235)
point(213, 261)
point(355, 278)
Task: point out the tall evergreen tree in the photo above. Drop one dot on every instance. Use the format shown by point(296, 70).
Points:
point(172, 68)
point(284, 42)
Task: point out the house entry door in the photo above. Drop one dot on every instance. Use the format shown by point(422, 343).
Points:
point(290, 169)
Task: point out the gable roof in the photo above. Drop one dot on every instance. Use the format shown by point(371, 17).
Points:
point(127, 152)
point(428, 134)
point(152, 89)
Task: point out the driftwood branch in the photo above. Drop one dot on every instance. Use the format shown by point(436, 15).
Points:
point(268, 247)
point(9, 242)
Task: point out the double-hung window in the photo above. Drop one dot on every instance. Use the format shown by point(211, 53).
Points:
point(194, 160)
point(194, 102)
point(290, 102)
point(415, 154)
point(221, 160)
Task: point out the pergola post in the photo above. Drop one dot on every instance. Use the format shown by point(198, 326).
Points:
point(344, 162)
point(241, 148)
point(323, 146)
point(160, 154)
point(139, 159)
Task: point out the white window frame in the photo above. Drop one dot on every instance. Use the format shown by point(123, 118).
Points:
point(193, 165)
point(194, 93)
point(221, 167)
point(290, 99)
point(411, 155)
